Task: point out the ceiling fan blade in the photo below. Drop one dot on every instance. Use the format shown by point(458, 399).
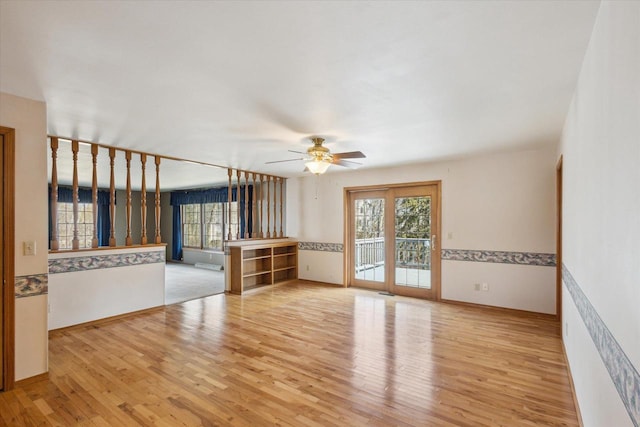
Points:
point(349, 155)
point(346, 163)
point(282, 161)
point(297, 152)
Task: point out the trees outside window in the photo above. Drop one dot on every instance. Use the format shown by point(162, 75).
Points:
point(204, 224)
point(65, 225)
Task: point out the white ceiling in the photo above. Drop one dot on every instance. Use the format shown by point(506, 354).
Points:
point(239, 83)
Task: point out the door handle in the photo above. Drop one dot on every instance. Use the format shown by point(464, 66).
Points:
point(433, 242)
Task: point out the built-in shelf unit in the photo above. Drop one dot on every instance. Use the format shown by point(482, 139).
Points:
point(263, 264)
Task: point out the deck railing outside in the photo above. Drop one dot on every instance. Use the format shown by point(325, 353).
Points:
point(411, 253)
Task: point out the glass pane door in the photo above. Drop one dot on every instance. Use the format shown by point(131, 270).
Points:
point(391, 239)
point(369, 243)
point(415, 259)
point(413, 242)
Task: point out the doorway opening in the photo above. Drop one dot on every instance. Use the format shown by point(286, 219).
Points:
point(392, 239)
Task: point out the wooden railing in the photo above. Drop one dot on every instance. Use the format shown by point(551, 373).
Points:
point(266, 190)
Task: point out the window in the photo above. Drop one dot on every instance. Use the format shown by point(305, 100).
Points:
point(204, 225)
point(65, 225)
point(191, 226)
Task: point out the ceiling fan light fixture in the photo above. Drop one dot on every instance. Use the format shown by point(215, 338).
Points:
point(317, 166)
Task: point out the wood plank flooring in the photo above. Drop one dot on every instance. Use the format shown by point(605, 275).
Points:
point(302, 355)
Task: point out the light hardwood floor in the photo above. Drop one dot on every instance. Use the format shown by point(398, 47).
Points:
point(303, 354)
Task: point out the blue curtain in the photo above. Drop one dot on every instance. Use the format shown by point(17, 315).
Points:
point(104, 225)
point(176, 246)
point(65, 195)
point(210, 195)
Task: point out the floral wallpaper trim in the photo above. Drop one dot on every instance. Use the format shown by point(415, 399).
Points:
point(502, 257)
point(32, 285)
point(319, 246)
point(624, 375)
point(66, 265)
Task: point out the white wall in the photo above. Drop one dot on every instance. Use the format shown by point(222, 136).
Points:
point(83, 296)
point(601, 234)
point(166, 221)
point(136, 218)
point(29, 119)
point(502, 202)
point(194, 256)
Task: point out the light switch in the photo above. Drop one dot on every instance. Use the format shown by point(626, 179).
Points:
point(29, 247)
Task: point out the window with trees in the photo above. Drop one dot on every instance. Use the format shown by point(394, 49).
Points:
point(204, 224)
point(65, 225)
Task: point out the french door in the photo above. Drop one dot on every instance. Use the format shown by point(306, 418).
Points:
point(393, 239)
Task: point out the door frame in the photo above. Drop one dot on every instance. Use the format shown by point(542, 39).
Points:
point(8, 296)
point(559, 240)
point(374, 285)
point(437, 226)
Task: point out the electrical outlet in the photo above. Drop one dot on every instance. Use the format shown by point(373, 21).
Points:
point(485, 286)
point(566, 329)
point(307, 267)
point(450, 235)
point(476, 286)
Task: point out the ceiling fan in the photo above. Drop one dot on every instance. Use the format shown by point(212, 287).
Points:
point(319, 158)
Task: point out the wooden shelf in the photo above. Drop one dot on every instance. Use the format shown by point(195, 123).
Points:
point(257, 273)
point(281, 255)
point(263, 264)
point(257, 257)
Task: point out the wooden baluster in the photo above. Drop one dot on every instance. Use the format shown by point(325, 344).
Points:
point(260, 223)
point(229, 200)
point(275, 203)
point(112, 198)
point(54, 195)
point(268, 235)
point(238, 205)
point(143, 200)
point(157, 201)
point(75, 243)
point(128, 241)
point(281, 207)
point(253, 207)
point(246, 205)
point(94, 194)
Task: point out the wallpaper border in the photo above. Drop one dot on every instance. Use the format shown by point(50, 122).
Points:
point(624, 375)
point(94, 262)
point(31, 285)
point(500, 257)
point(320, 246)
